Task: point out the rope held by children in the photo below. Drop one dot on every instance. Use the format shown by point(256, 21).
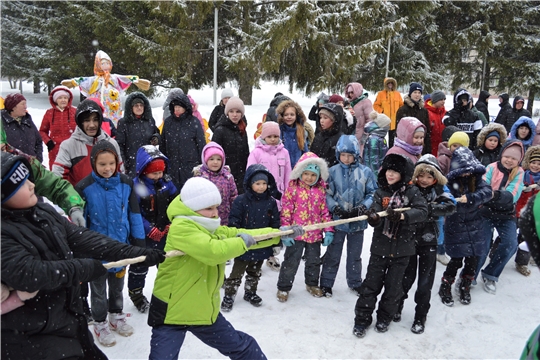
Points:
point(311, 227)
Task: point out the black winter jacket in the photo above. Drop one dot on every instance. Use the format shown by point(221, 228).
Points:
point(505, 115)
point(482, 103)
point(464, 119)
point(236, 148)
point(440, 203)
point(132, 132)
point(324, 143)
point(42, 251)
point(23, 135)
point(217, 113)
point(182, 141)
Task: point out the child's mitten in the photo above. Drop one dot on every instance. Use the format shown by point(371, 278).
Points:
point(328, 238)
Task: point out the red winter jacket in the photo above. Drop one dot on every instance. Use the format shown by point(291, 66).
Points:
point(437, 126)
point(57, 125)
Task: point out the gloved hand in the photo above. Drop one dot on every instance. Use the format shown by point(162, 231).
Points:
point(339, 212)
point(359, 210)
point(50, 145)
point(393, 215)
point(373, 217)
point(297, 231)
point(155, 234)
point(248, 239)
point(276, 250)
point(328, 238)
point(77, 216)
point(93, 270)
point(166, 230)
point(154, 257)
point(287, 241)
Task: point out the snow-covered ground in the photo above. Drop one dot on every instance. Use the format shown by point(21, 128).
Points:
point(491, 327)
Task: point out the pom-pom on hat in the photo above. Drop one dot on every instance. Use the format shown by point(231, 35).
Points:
point(226, 93)
point(235, 103)
point(154, 166)
point(380, 119)
point(15, 171)
point(59, 93)
point(270, 128)
point(437, 96)
point(415, 86)
point(13, 100)
point(199, 193)
point(459, 137)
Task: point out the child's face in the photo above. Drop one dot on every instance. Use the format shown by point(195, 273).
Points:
point(62, 101)
point(425, 180)
point(523, 131)
point(418, 138)
point(453, 147)
point(289, 115)
point(214, 163)
point(105, 164)
point(534, 166)
point(209, 212)
point(491, 143)
point(509, 162)
point(234, 115)
point(392, 176)
point(259, 186)
point(309, 177)
point(156, 175)
point(24, 198)
point(91, 125)
point(326, 121)
point(272, 140)
point(346, 158)
point(416, 95)
point(178, 110)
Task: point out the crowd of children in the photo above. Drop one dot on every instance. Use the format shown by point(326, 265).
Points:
point(181, 195)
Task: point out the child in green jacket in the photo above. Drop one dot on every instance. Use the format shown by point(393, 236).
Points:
point(186, 290)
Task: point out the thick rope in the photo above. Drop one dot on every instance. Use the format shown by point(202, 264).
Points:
point(257, 238)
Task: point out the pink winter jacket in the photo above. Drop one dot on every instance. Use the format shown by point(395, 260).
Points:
point(276, 159)
point(405, 132)
point(362, 109)
point(303, 204)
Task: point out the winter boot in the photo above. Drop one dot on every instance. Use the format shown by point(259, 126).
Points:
point(117, 322)
point(282, 296)
point(326, 291)
point(253, 299)
point(382, 326)
point(418, 325)
point(139, 300)
point(359, 331)
point(227, 303)
point(314, 291)
point(445, 291)
point(523, 270)
point(273, 263)
point(465, 289)
point(104, 334)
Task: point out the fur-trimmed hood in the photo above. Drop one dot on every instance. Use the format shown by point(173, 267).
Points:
point(533, 150)
point(397, 162)
point(428, 163)
point(408, 101)
point(390, 80)
point(481, 139)
point(304, 161)
point(463, 162)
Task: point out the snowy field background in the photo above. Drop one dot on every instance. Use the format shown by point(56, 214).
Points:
point(491, 327)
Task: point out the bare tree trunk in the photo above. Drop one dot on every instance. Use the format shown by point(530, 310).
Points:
point(37, 85)
point(245, 78)
point(530, 103)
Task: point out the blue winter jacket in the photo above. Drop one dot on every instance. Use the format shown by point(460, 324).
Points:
point(111, 207)
point(254, 211)
point(288, 136)
point(350, 185)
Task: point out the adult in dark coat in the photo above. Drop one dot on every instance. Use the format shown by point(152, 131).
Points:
point(45, 253)
point(182, 140)
point(324, 143)
point(519, 110)
point(271, 114)
point(135, 129)
point(415, 108)
point(463, 117)
point(232, 137)
point(505, 115)
point(482, 103)
point(21, 132)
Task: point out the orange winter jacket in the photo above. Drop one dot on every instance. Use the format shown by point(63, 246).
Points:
point(388, 101)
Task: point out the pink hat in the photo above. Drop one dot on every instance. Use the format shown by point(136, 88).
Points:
point(514, 151)
point(59, 93)
point(235, 103)
point(270, 128)
point(211, 151)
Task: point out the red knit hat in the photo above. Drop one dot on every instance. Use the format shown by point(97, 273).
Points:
point(335, 99)
point(13, 100)
point(154, 165)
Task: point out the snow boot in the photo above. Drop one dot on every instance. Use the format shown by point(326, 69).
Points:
point(326, 291)
point(227, 303)
point(523, 270)
point(465, 289)
point(273, 263)
point(104, 335)
point(117, 322)
point(418, 325)
point(253, 299)
point(139, 300)
point(314, 291)
point(382, 326)
point(359, 331)
point(445, 291)
point(282, 296)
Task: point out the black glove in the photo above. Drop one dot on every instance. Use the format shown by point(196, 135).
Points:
point(154, 257)
point(393, 215)
point(339, 212)
point(358, 211)
point(50, 145)
point(93, 269)
point(138, 242)
point(373, 217)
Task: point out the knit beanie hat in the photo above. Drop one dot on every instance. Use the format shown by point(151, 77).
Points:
point(437, 95)
point(513, 151)
point(415, 86)
point(258, 176)
point(448, 131)
point(13, 100)
point(59, 93)
point(154, 166)
point(199, 193)
point(420, 129)
point(15, 171)
point(270, 128)
point(314, 169)
point(226, 93)
point(494, 133)
point(328, 113)
point(459, 137)
point(137, 100)
point(235, 103)
point(211, 151)
point(335, 99)
point(380, 119)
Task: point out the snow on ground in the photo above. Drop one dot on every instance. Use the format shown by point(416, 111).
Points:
point(491, 327)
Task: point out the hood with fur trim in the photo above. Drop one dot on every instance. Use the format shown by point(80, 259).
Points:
point(481, 139)
point(428, 163)
point(533, 150)
point(304, 161)
point(390, 80)
point(399, 163)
